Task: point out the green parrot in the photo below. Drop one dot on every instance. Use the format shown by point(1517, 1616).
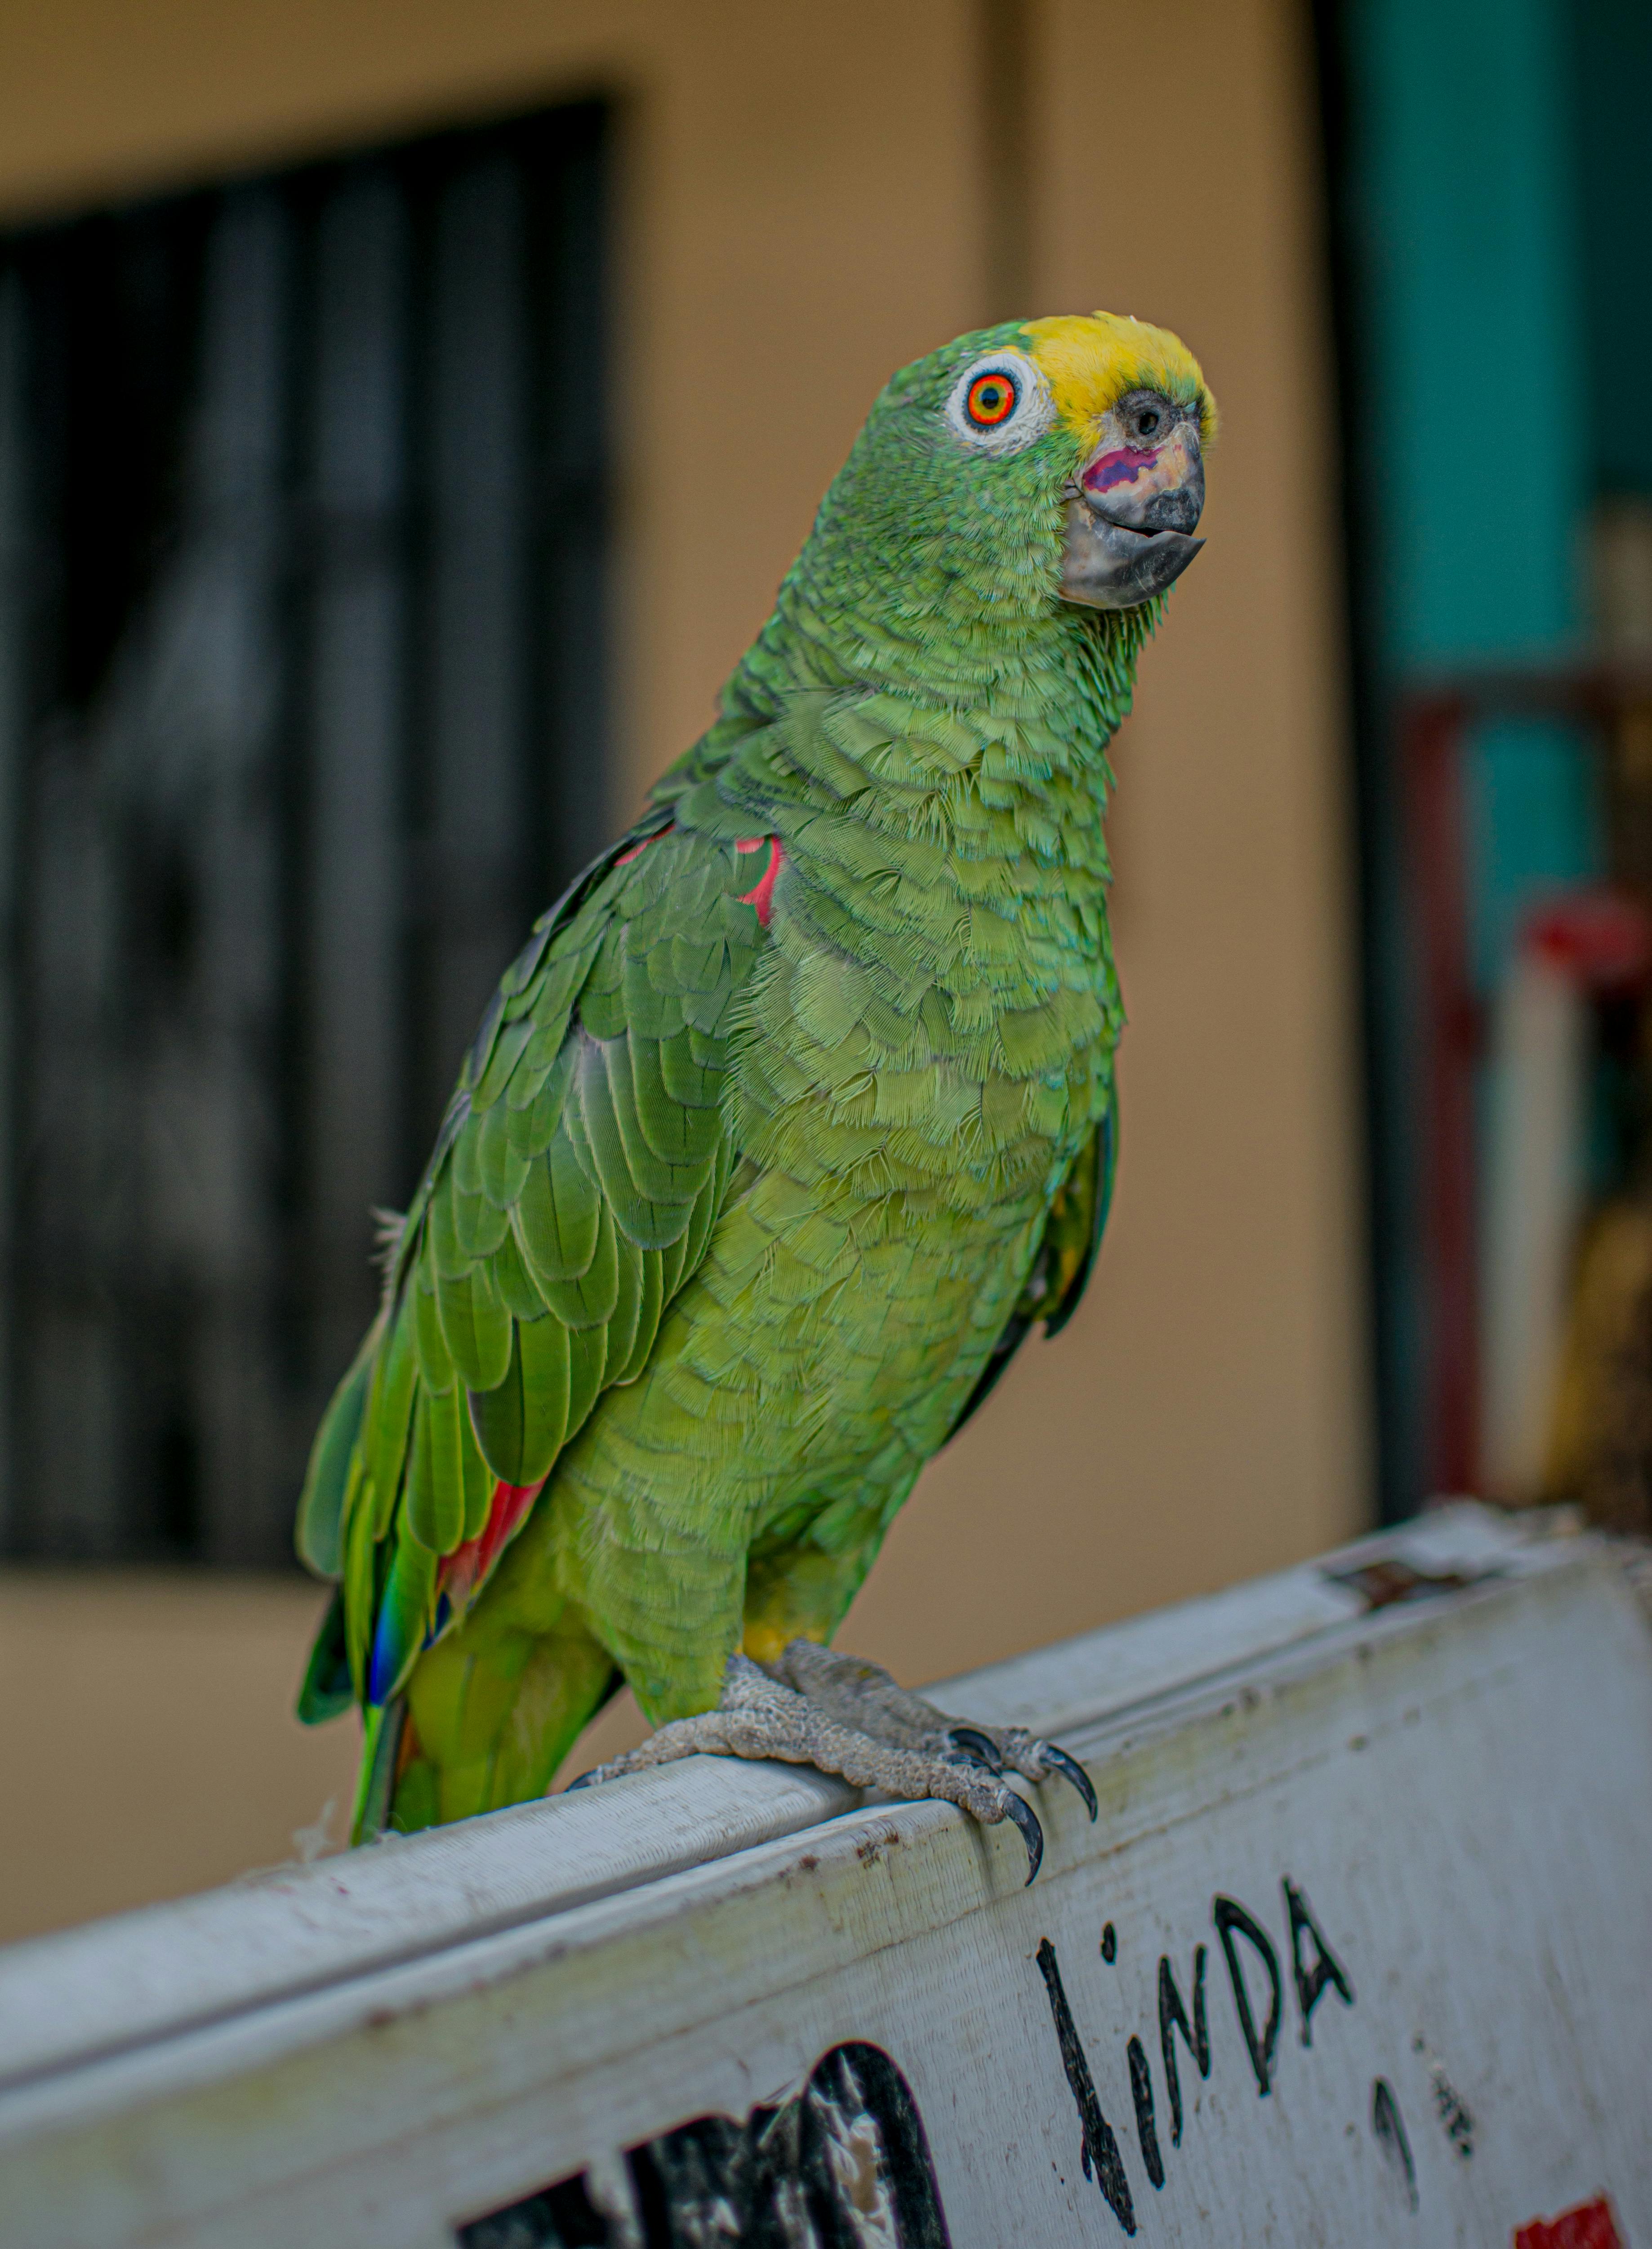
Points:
point(793, 1116)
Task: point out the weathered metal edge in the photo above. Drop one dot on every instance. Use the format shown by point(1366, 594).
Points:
point(69, 2001)
point(198, 2050)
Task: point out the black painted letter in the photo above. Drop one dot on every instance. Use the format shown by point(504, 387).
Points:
point(1141, 2093)
point(1173, 2017)
point(1097, 2146)
point(1230, 1917)
point(1389, 2127)
point(1326, 1969)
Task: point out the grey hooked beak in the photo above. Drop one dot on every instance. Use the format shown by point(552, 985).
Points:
point(1129, 514)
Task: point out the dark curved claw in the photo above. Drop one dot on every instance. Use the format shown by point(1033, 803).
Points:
point(976, 1746)
point(1070, 1769)
point(584, 1781)
point(1032, 1835)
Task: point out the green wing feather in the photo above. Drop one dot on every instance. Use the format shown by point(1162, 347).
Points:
point(321, 1503)
point(327, 1691)
point(576, 1180)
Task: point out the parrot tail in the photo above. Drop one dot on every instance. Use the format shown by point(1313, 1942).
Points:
point(380, 1758)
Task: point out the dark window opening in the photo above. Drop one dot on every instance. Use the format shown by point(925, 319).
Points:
point(301, 723)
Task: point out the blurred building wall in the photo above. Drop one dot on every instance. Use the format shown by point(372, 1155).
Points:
point(809, 198)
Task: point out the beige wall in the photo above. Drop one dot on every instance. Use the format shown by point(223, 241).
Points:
point(800, 212)
point(149, 1745)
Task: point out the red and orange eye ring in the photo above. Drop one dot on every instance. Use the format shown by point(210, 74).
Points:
point(991, 399)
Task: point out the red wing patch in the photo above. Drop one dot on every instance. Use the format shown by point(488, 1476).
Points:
point(762, 896)
point(463, 1572)
point(1591, 2225)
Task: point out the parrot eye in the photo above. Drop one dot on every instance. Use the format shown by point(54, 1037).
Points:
point(990, 399)
point(1001, 403)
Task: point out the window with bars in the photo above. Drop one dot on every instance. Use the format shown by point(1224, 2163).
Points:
point(301, 723)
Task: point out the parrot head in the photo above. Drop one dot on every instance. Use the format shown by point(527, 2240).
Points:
point(1038, 464)
point(1134, 401)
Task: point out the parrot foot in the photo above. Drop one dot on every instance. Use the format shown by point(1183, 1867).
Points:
point(849, 1718)
point(864, 1695)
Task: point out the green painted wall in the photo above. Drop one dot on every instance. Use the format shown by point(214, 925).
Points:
point(1476, 445)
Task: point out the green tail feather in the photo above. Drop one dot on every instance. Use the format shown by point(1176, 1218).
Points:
point(494, 1715)
point(379, 1750)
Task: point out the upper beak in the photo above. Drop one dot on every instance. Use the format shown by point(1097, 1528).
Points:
point(1130, 516)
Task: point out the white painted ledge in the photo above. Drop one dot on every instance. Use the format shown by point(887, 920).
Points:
point(86, 1993)
point(381, 2046)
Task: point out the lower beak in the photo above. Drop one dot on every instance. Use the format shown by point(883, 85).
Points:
point(1128, 518)
point(1104, 566)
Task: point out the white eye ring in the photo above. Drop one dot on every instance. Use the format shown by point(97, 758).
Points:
point(1027, 419)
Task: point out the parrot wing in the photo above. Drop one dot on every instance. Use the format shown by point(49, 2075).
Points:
point(1065, 1254)
point(575, 1183)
